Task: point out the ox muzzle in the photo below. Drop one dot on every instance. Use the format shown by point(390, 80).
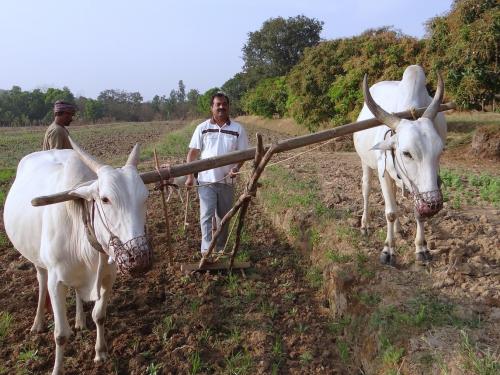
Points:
point(132, 257)
point(429, 203)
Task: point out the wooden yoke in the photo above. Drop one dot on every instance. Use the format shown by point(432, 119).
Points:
point(244, 155)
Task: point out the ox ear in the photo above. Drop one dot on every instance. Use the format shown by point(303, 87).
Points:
point(385, 145)
point(85, 191)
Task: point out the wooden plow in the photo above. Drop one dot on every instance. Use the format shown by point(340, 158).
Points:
point(261, 156)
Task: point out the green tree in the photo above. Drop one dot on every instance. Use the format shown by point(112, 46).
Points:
point(268, 99)
point(156, 104)
point(181, 92)
point(93, 110)
point(279, 44)
point(463, 45)
point(37, 108)
point(192, 102)
point(204, 101)
point(235, 88)
point(54, 94)
point(325, 86)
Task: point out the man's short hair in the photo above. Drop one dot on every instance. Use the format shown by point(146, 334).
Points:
point(219, 94)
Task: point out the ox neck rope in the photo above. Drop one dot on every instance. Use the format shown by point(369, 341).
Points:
point(89, 221)
point(402, 169)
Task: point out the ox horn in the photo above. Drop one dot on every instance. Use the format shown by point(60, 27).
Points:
point(380, 114)
point(433, 108)
point(133, 158)
point(88, 159)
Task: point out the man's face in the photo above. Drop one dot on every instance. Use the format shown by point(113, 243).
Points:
point(220, 108)
point(65, 118)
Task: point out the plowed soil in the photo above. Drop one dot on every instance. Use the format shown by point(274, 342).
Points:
point(271, 319)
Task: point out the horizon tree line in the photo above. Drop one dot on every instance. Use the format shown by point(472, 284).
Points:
point(289, 71)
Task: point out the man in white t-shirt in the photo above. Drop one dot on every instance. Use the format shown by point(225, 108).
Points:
point(214, 137)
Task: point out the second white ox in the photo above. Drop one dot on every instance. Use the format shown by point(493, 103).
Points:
point(58, 243)
point(405, 153)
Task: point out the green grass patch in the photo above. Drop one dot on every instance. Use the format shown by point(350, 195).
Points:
point(7, 174)
point(163, 330)
point(4, 241)
point(269, 309)
point(3, 196)
point(336, 257)
point(314, 277)
point(306, 357)
point(395, 323)
point(349, 235)
point(15, 143)
point(369, 299)
point(284, 190)
point(478, 361)
point(195, 363)
point(154, 368)
point(343, 349)
point(26, 357)
point(277, 354)
point(460, 188)
point(392, 355)
point(173, 144)
point(466, 122)
point(239, 363)
point(336, 327)
point(5, 322)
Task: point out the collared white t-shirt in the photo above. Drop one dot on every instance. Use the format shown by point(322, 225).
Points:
point(214, 140)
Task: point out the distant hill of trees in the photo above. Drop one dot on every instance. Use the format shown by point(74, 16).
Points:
point(289, 71)
point(324, 87)
point(23, 108)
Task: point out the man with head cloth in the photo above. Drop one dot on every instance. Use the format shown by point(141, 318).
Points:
point(56, 135)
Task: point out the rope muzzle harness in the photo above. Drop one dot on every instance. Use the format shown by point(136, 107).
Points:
point(131, 257)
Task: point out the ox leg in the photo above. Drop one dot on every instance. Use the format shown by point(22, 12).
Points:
point(397, 225)
point(62, 330)
point(39, 323)
point(387, 255)
point(80, 322)
point(422, 254)
point(99, 316)
point(366, 187)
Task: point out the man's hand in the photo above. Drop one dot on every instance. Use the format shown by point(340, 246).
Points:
point(189, 181)
point(234, 172)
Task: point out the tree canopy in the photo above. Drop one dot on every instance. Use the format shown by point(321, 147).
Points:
point(273, 50)
point(464, 45)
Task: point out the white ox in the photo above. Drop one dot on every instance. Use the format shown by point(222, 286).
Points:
point(405, 153)
point(54, 237)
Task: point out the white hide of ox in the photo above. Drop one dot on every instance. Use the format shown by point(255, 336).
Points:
point(405, 153)
point(54, 237)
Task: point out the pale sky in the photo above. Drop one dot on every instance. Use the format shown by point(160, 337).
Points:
point(149, 45)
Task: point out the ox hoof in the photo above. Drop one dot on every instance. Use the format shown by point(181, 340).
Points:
point(38, 328)
point(100, 357)
point(387, 259)
point(424, 256)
